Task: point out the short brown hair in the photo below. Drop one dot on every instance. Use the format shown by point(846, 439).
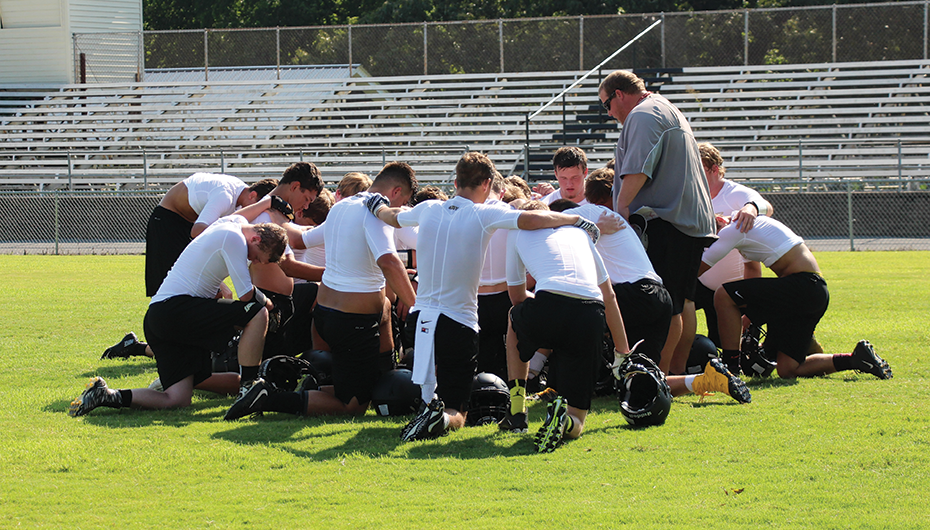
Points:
point(560, 205)
point(534, 205)
point(398, 174)
point(273, 240)
point(429, 193)
point(598, 187)
point(570, 156)
point(623, 81)
point(353, 183)
point(520, 184)
point(263, 187)
point(473, 169)
point(307, 174)
point(319, 208)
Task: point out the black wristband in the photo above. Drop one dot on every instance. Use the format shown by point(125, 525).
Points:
point(279, 204)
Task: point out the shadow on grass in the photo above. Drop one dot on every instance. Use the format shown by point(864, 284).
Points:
point(204, 408)
point(123, 369)
point(760, 383)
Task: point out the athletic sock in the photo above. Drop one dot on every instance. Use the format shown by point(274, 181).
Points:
point(517, 395)
point(537, 363)
point(731, 359)
point(427, 392)
point(247, 373)
point(289, 402)
point(689, 382)
point(123, 398)
point(842, 361)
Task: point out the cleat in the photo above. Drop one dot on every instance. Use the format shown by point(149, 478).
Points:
point(430, 423)
point(95, 394)
point(866, 360)
point(551, 434)
point(514, 423)
point(252, 396)
point(130, 346)
point(717, 378)
point(546, 396)
point(156, 385)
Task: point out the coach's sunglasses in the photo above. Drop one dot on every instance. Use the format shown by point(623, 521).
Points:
point(606, 102)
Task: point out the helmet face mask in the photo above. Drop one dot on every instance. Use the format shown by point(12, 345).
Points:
point(489, 401)
point(645, 397)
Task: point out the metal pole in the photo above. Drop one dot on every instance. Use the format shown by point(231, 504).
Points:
point(141, 65)
point(746, 38)
point(145, 170)
point(926, 4)
point(425, 72)
point(800, 160)
point(581, 42)
point(564, 126)
point(277, 48)
point(222, 162)
point(663, 39)
point(834, 32)
point(350, 51)
point(383, 157)
point(849, 205)
point(301, 157)
point(900, 162)
point(57, 194)
point(70, 169)
point(500, 32)
point(206, 57)
point(526, 150)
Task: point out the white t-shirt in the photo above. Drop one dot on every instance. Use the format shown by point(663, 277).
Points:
point(622, 252)
point(732, 196)
point(494, 270)
point(354, 241)
point(220, 251)
point(767, 241)
point(315, 255)
point(451, 246)
point(562, 260)
point(213, 195)
point(557, 194)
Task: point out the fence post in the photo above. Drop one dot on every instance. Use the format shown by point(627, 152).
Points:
point(145, 170)
point(277, 49)
point(834, 33)
point(500, 32)
point(926, 7)
point(849, 207)
point(663, 39)
point(900, 165)
point(206, 56)
point(425, 71)
point(141, 66)
point(350, 50)
point(800, 160)
point(746, 38)
point(222, 162)
point(57, 194)
point(526, 150)
point(581, 42)
point(70, 169)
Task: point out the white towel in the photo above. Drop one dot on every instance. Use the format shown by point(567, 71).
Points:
point(424, 364)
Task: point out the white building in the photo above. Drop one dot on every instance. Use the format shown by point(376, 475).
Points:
point(37, 43)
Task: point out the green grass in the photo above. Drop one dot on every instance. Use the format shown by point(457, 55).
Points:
point(844, 451)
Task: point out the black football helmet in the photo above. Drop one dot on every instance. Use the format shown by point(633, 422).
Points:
point(753, 359)
point(395, 394)
point(489, 401)
point(283, 372)
point(702, 350)
point(321, 365)
point(645, 397)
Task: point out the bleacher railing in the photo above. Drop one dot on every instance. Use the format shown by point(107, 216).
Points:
point(791, 35)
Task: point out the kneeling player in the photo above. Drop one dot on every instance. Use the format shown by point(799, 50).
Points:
point(791, 304)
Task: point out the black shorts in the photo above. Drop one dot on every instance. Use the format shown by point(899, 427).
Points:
point(704, 299)
point(574, 329)
point(278, 321)
point(676, 258)
point(183, 330)
point(355, 342)
point(166, 236)
point(646, 308)
point(492, 345)
point(790, 306)
point(297, 336)
point(455, 353)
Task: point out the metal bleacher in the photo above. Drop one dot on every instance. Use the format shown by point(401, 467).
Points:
point(864, 120)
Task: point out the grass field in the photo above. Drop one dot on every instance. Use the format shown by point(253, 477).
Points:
point(844, 451)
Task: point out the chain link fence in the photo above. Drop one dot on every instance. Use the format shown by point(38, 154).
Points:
point(797, 35)
point(849, 215)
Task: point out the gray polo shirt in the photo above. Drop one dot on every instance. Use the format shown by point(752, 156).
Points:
point(657, 140)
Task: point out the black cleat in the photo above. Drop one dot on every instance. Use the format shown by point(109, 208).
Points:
point(552, 433)
point(430, 423)
point(95, 394)
point(130, 346)
point(251, 397)
point(866, 360)
point(514, 422)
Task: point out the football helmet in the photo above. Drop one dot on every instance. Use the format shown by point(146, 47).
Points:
point(321, 365)
point(702, 350)
point(753, 358)
point(645, 397)
point(228, 359)
point(395, 394)
point(283, 372)
point(489, 401)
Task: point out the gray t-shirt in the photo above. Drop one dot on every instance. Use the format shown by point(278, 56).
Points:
point(657, 140)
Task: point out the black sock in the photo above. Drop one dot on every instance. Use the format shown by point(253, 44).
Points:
point(842, 361)
point(731, 359)
point(247, 373)
point(288, 402)
point(125, 398)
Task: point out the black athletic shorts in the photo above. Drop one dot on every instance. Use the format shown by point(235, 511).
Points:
point(574, 329)
point(355, 342)
point(455, 353)
point(704, 299)
point(676, 258)
point(166, 236)
point(492, 345)
point(278, 321)
point(790, 306)
point(297, 336)
point(646, 308)
point(183, 330)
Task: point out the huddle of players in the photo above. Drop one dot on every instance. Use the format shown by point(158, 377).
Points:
point(580, 276)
